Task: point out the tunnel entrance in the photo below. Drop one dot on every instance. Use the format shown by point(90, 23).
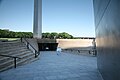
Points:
point(47, 46)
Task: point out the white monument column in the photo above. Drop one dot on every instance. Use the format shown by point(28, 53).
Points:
point(37, 25)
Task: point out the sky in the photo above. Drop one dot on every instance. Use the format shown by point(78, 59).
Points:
point(75, 17)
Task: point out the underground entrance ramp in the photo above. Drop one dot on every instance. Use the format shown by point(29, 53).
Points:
point(47, 44)
point(51, 66)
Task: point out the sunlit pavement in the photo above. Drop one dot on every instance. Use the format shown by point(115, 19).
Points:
point(56, 66)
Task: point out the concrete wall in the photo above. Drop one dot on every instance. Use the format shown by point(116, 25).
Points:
point(74, 43)
point(46, 40)
point(68, 43)
point(107, 23)
point(33, 42)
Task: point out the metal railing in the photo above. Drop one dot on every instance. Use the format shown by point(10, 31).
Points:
point(14, 57)
point(28, 44)
point(90, 51)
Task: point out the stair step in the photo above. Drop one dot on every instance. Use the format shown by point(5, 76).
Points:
point(8, 45)
point(19, 52)
point(17, 49)
point(7, 63)
point(3, 59)
point(22, 53)
point(27, 60)
point(6, 68)
point(19, 64)
point(11, 49)
point(26, 56)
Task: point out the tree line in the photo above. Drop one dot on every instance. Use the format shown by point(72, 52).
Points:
point(52, 35)
point(55, 35)
point(11, 34)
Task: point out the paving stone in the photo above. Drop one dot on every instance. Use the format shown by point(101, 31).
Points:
point(51, 77)
point(39, 78)
point(51, 66)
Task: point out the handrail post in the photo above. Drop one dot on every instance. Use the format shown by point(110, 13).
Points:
point(35, 54)
point(27, 45)
point(95, 52)
point(14, 62)
point(89, 52)
point(14, 59)
point(21, 39)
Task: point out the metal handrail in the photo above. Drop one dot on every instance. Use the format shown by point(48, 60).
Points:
point(36, 52)
point(14, 57)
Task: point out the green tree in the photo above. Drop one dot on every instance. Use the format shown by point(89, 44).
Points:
point(4, 33)
point(65, 35)
point(46, 35)
point(11, 34)
point(54, 35)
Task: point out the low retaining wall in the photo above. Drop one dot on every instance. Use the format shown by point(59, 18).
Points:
point(64, 43)
point(74, 43)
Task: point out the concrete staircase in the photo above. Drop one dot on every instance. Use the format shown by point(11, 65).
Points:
point(14, 49)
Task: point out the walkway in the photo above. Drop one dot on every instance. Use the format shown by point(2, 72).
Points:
point(56, 67)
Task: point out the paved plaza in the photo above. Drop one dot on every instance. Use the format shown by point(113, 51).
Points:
point(51, 66)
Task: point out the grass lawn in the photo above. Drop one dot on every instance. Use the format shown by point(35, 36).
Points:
point(9, 39)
